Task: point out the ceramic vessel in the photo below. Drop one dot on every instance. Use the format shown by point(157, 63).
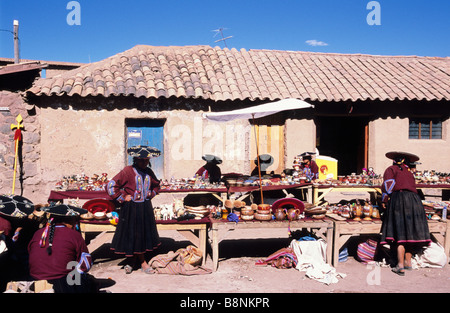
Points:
point(280, 214)
point(357, 212)
point(292, 214)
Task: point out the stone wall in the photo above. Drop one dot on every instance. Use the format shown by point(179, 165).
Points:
point(28, 165)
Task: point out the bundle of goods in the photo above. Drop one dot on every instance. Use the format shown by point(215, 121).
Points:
point(82, 182)
point(199, 211)
point(195, 182)
point(436, 210)
point(177, 210)
point(431, 177)
point(316, 212)
point(356, 210)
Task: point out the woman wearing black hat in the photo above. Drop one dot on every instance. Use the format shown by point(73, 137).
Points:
point(308, 166)
point(210, 170)
point(404, 222)
point(58, 253)
point(136, 231)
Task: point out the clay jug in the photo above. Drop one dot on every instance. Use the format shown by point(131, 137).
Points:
point(280, 214)
point(292, 214)
point(357, 212)
point(367, 212)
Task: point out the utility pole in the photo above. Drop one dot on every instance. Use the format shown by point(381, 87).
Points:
point(16, 42)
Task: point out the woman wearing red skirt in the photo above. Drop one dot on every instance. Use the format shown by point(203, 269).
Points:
point(404, 226)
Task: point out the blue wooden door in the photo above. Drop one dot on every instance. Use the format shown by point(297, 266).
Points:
point(147, 132)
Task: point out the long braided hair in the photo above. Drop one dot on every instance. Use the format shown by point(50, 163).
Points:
point(49, 232)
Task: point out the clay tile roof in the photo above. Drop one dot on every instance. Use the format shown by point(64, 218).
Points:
point(228, 74)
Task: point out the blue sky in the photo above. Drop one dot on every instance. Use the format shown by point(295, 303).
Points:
point(408, 27)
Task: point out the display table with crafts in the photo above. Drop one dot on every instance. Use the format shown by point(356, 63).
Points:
point(246, 190)
point(345, 228)
point(220, 193)
point(321, 190)
point(220, 227)
point(188, 228)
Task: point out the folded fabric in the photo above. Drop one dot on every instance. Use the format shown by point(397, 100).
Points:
point(311, 256)
point(173, 263)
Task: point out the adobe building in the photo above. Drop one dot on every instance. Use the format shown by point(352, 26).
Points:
point(83, 120)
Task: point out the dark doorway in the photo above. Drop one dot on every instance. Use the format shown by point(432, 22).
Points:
point(345, 139)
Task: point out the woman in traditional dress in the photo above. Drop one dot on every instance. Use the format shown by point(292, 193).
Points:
point(58, 252)
point(210, 170)
point(133, 188)
point(404, 225)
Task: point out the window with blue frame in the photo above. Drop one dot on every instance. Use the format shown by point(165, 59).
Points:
point(425, 128)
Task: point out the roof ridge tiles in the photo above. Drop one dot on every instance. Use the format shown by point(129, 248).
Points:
point(219, 74)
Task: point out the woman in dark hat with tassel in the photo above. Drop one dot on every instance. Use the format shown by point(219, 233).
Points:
point(58, 252)
point(133, 188)
point(405, 225)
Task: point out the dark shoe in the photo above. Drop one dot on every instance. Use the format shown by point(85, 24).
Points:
point(399, 271)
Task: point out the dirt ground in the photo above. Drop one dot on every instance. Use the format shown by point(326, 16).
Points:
point(237, 272)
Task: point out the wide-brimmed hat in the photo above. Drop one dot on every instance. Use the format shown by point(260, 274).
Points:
point(212, 159)
point(265, 159)
point(399, 154)
point(99, 205)
point(143, 152)
point(15, 206)
point(288, 202)
point(64, 210)
point(306, 155)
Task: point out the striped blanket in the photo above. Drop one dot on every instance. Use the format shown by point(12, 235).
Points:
point(283, 258)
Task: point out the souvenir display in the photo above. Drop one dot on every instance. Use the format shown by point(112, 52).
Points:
point(83, 182)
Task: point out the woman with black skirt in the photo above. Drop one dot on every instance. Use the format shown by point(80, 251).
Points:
point(133, 188)
point(404, 226)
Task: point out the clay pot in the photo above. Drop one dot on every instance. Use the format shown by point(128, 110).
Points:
point(367, 212)
point(292, 214)
point(263, 217)
point(375, 213)
point(247, 211)
point(280, 214)
point(263, 206)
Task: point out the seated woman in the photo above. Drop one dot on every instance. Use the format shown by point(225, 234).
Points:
point(58, 253)
point(210, 170)
point(265, 160)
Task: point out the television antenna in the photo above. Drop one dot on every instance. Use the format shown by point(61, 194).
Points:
point(220, 31)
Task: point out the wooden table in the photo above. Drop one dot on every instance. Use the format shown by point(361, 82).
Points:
point(186, 228)
point(344, 229)
point(324, 227)
point(325, 189)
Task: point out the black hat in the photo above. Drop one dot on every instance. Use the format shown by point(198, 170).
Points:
point(15, 206)
point(307, 154)
point(143, 152)
point(64, 210)
point(212, 159)
point(399, 154)
point(265, 160)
